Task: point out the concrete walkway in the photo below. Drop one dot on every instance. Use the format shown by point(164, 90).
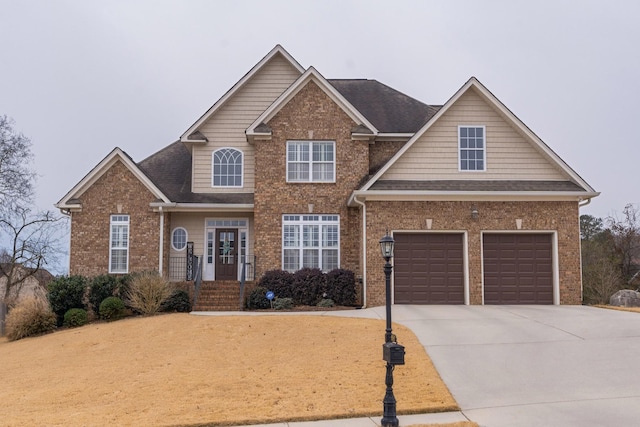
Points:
point(524, 366)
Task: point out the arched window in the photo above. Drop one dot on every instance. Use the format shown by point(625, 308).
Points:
point(179, 238)
point(227, 168)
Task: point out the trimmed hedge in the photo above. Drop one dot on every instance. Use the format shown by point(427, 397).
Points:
point(279, 282)
point(308, 286)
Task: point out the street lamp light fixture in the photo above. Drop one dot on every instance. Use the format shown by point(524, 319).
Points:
point(392, 352)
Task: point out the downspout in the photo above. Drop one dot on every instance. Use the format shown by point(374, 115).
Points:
point(364, 252)
point(161, 240)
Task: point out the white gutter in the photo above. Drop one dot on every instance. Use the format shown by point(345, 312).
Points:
point(161, 240)
point(364, 252)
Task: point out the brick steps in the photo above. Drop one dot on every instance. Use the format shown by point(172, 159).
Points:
point(219, 296)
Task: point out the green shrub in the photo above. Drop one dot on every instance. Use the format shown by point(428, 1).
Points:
point(75, 317)
point(65, 293)
point(257, 299)
point(326, 303)
point(308, 286)
point(341, 286)
point(31, 316)
point(112, 308)
point(279, 282)
point(101, 287)
point(178, 301)
point(283, 303)
point(147, 292)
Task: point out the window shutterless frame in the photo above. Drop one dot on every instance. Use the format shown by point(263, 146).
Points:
point(227, 168)
point(472, 148)
point(119, 244)
point(310, 241)
point(311, 161)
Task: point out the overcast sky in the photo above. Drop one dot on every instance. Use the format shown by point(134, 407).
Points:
point(81, 77)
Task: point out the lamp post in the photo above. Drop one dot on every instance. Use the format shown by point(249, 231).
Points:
point(389, 418)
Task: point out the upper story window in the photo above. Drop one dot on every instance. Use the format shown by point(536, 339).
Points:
point(472, 148)
point(311, 161)
point(227, 168)
point(119, 244)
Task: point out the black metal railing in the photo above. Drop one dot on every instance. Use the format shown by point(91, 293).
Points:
point(197, 278)
point(185, 268)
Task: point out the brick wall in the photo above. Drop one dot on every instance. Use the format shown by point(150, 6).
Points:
point(381, 152)
point(90, 228)
point(493, 216)
point(310, 115)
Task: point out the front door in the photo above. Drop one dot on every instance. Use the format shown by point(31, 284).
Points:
point(226, 259)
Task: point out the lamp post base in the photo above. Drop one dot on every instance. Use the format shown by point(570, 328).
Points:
point(389, 418)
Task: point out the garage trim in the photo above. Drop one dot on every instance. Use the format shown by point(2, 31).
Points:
point(554, 257)
point(465, 258)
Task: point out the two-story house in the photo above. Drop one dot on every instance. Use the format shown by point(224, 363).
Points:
point(290, 170)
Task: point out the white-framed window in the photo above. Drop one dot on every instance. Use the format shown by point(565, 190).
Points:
point(311, 241)
point(179, 238)
point(472, 148)
point(311, 161)
point(119, 244)
point(227, 168)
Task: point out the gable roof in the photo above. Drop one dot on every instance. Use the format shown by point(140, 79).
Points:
point(69, 201)
point(474, 84)
point(311, 75)
point(193, 135)
point(389, 110)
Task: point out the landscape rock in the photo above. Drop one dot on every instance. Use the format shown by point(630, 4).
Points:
point(625, 298)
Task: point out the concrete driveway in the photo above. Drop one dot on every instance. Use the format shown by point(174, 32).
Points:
point(510, 366)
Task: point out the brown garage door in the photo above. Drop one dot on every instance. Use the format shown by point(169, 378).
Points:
point(517, 269)
point(428, 269)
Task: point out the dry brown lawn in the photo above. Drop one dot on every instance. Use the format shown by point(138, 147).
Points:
point(613, 307)
point(181, 369)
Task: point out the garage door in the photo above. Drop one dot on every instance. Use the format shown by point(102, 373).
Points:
point(428, 269)
point(517, 269)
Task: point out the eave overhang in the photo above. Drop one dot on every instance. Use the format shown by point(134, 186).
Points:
point(202, 207)
point(489, 196)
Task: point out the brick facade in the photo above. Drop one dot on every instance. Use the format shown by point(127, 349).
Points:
point(561, 217)
point(310, 115)
point(116, 191)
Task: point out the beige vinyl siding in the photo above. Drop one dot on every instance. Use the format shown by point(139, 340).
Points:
point(509, 155)
point(195, 224)
point(227, 126)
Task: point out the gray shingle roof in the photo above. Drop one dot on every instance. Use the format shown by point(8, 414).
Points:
point(387, 109)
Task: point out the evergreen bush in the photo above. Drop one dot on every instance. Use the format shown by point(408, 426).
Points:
point(112, 308)
point(279, 282)
point(178, 301)
point(65, 293)
point(75, 317)
point(257, 299)
point(341, 287)
point(308, 286)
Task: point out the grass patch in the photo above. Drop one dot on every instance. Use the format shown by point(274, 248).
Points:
point(179, 369)
point(613, 307)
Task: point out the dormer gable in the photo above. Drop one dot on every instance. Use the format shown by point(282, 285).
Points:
point(260, 130)
point(195, 135)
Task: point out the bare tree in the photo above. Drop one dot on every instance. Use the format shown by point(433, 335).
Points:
point(29, 238)
point(625, 235)
point(17, 179)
